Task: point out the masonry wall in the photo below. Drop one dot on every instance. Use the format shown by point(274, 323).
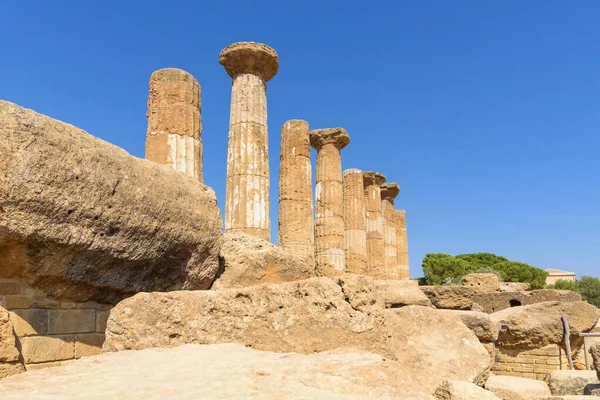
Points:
point(52, 331)
point(534, 363)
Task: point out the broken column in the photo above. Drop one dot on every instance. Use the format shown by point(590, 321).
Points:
point(389, 191)
point(403, 246)
point(174, 122)
point(329, 194)
point(250, 65)
point(296, 223)
point(374, 224)
point(354, 220)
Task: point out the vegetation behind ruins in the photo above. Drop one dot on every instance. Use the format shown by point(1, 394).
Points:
point(445, 269)
point(588, 287)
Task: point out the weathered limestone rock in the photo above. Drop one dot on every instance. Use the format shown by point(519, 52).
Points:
point(374, 224)
point(540, 324)
point(595, 352)
point(514, 287)
point(403, 246)
point(10, 363)
point(296, 221)
point(312, 315)
point(567, 382)
point(396, 294)
point(81, 219)
point(458, 390)
point(572, 398)
point(435, 347)
point(389, 192)
point(174, 121)
point(481, 324)
point(592, 390)
point(355, 235)
point(482, 283)
point(329, 194)
point(249, 261)
point(223, 371)
point(250, 65)
point(449, 297)
point(514, 388)
point(493, 302)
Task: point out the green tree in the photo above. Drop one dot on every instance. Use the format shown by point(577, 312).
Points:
point(513, 271)
point(562, 284)
point(589, 287)
point(482, 260)
point(444, 269)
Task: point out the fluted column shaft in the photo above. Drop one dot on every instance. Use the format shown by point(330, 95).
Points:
point(174, 121)
point(296, 220)
point(355, 236)
point(389, 192)
point(403, 246)
point(247, 207)
point(374, 225)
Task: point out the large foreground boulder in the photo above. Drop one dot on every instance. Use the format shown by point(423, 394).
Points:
point(481, 324)
point(81, 219)
point(10, 363)
point(514, 388)
point(401, 293)
point(220, 372)
point(450, 297)
point(312, 315)
point(249, 261)
point(540, 324)
point(458, 390)
point(567, 382)
point(435, 347)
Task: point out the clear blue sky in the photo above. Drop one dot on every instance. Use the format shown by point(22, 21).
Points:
point(486, 112)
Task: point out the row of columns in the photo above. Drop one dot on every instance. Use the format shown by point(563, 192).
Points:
point(355, 227)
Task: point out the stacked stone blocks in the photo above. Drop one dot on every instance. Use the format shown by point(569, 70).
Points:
point(531, 363)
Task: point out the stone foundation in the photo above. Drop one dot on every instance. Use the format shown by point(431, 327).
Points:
point(530, 363)
point(51, 331)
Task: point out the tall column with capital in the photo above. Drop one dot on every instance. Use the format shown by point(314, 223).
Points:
point(389, 191)
point(374, 224)
point(296, 220)
point(174, 122)
point(329, 195)
point(250, 65)
point(355, 236)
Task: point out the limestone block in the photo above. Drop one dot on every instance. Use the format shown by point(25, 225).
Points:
point(37, 349)
point(481, 324)
point(30, 322)
point(514, 287)
point(88, 344)
point(249, 261)
point(101, 318)
point(71, 321)
point(10, 368)
point(450, 297)
point(8, 347)
point(514, 388)
point(540, 324)
point(458, 390)
point(567, 382)
point(595, 352)
point(84, 220)
point(396, 294)
point(9, 287)
point(482, 283)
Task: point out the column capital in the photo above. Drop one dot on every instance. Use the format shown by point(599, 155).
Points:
point(352, 171)
point(250, 58)
point(390, 191)
point(336, 136)
point(373, 178)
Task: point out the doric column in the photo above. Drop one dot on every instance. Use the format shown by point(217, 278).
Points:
point(296, 223)
point(403, 246)
point(250, 65)
point(174, 122)
point(329, 194)
point(355, 236)
point(374, 224)
point(389, 191)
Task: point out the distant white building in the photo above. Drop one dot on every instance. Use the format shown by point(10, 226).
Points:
point(557, 274)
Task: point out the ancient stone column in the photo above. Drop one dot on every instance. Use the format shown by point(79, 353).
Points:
point(329, 194)
point(250, 65)
point(296, 220)
point(389, 191)
point(403, 246)
point(174, 122)
point(355, 236)
point(374, 224)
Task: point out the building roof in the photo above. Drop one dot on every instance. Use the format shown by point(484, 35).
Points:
point(553, 271)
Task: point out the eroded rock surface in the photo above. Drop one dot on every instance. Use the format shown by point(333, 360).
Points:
point(450, 297)
point(248, 261)
point(481, 324)
point(568, 382)
point(81, 219)
point(482, 283)
point(400, 293)
point(595, 352)
point(514, 388)
point(10, 363)
point(458, 390)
